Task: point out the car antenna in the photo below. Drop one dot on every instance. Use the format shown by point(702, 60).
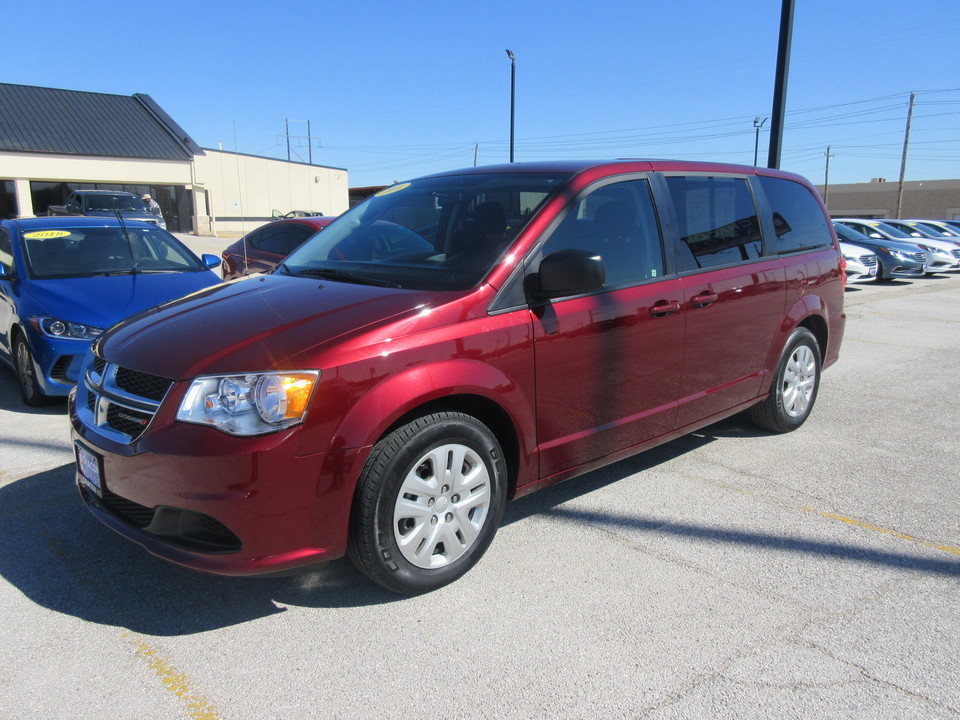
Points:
point(123, 227)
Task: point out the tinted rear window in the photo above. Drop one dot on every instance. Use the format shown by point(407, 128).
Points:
point(798, 221)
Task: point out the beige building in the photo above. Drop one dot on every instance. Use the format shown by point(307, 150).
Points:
point(55, 141)
point(928, 199)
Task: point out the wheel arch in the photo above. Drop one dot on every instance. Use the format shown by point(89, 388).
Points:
point(470, 386)
point(487, 412)
point(810, 312)
point(818, 326)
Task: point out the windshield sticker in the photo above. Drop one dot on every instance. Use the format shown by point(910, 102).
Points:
point(393, 189)
point(46, 234)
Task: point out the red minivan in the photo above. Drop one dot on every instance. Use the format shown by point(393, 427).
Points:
point(452, 342)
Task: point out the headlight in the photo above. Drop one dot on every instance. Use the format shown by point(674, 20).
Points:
point(250, 404)
point(56, 328)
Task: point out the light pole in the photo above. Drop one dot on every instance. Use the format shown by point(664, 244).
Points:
point(757, 124)
point(513, 96)
point(826, 179)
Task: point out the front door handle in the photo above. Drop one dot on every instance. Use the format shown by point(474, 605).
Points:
point(664, 308)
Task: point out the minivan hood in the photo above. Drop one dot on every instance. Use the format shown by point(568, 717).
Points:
point(251, 325)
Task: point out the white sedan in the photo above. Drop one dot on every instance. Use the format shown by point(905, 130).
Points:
point(861, 264)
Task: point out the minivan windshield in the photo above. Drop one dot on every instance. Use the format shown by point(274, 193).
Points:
point(436, 233)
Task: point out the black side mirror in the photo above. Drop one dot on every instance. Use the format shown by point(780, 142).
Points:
point(569, 272)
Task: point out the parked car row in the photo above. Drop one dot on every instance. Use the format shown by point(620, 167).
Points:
point(903, 248)
point(65, 279)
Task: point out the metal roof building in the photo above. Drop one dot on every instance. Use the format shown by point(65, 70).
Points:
point(53, 141)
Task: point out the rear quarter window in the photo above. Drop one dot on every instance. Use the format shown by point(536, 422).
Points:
point(798, 221)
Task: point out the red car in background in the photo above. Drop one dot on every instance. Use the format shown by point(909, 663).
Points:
point(262, 250)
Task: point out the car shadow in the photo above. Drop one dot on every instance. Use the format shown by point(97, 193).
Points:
point(60, 557)
point(57, 554)
point(10, 400)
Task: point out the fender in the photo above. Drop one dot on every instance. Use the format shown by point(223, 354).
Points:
point(806, 307)
point(400, 394)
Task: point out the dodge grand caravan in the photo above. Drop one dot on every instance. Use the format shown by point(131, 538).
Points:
point(452, 342)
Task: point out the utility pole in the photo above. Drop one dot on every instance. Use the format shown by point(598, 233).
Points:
point(780, 83)
point(308, 137)
point(826, 179)
point(903, 160)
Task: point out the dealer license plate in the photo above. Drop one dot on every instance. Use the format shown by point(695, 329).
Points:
point(88, 466)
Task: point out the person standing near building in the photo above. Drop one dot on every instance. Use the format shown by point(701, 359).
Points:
point(154, 207)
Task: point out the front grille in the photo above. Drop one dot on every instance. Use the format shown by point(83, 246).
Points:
point(183, 528)
point(919, 257)
point(120, 402)
point(868, 260)
point(127, 420)
point(130, 512)
point(151, 387)
point(956, 253)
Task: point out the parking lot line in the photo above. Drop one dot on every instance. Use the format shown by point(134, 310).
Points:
point(177, 682)
point(842, 518)
point(893, 533)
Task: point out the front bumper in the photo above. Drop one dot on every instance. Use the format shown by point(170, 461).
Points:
point(220, 504)
point(57, 362)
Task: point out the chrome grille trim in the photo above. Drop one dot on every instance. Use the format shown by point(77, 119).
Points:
point(111, 407)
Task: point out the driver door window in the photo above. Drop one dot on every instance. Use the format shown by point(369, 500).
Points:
point(618, 223)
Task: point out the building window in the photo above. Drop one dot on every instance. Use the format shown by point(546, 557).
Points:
point(8, 200)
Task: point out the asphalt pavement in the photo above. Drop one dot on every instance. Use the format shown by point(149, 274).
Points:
point(729, 574)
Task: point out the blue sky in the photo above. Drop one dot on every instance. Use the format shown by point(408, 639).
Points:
point(394, 90)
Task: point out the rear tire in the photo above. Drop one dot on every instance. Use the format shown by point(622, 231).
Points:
point(428, 503)
point(793, 391)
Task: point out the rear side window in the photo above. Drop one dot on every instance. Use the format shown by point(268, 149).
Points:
point(798, 221)
point(299, 235)
point(272, 239)
point(717, 219)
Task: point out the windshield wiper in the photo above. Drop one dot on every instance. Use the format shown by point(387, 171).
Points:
point(345, 276)
point(111, 273)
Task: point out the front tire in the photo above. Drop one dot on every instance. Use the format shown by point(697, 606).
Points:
point(30, 391)
point(428, 503)
point(881, 276)
point(794, 388)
